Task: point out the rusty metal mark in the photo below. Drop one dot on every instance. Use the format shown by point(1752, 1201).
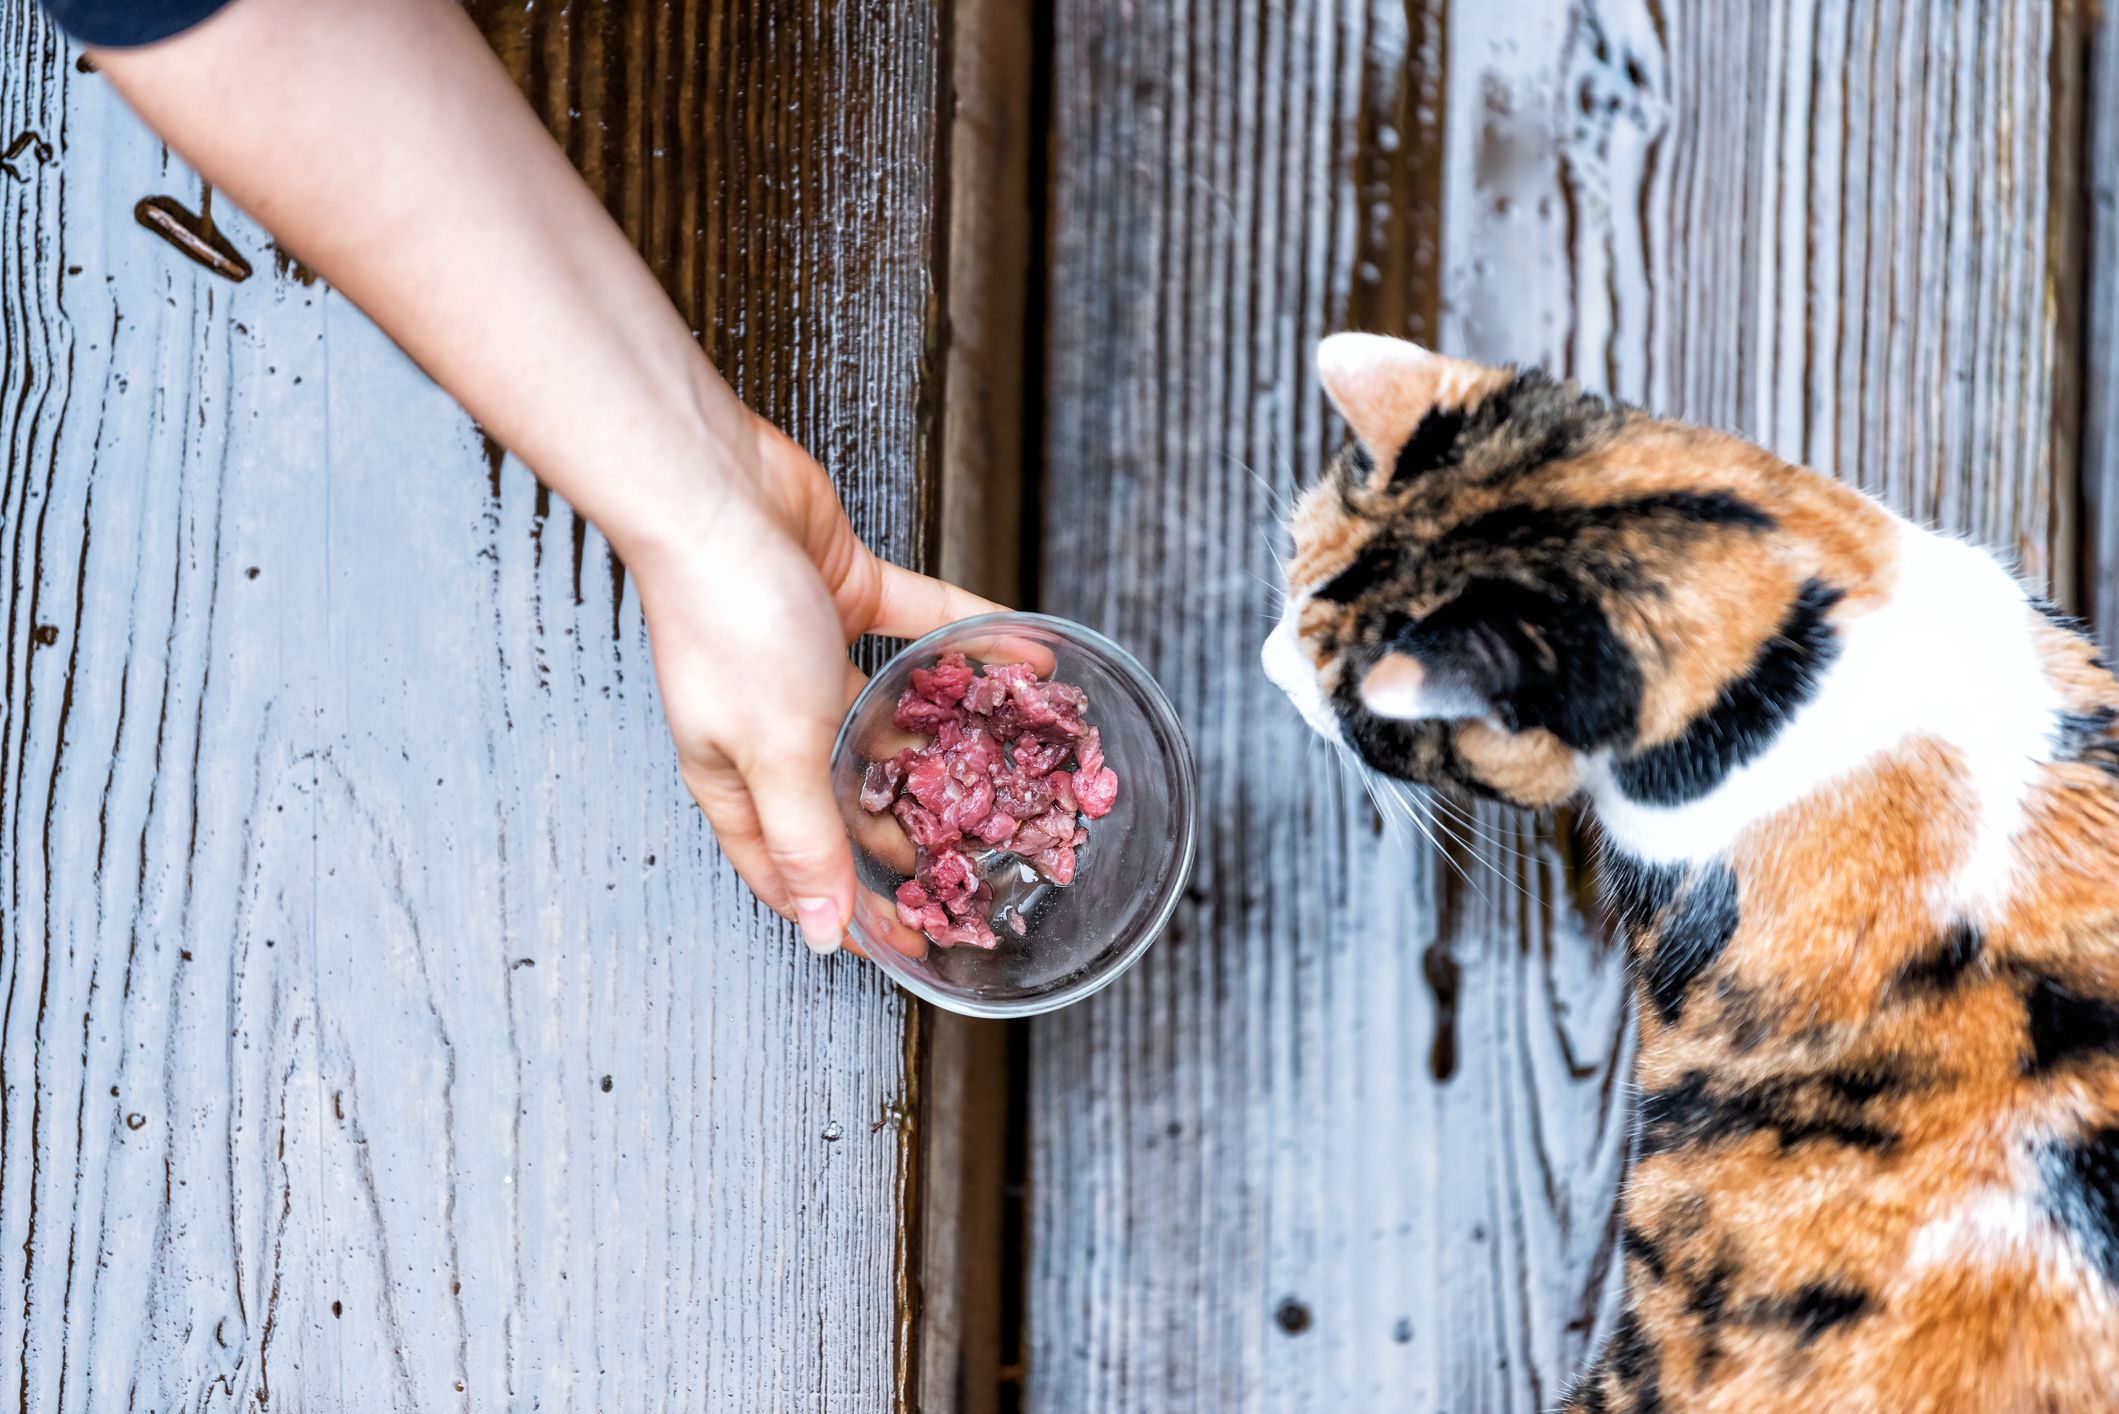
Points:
point(27, 142)
point(193, 233)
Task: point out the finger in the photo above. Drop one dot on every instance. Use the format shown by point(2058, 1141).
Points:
point(805, 835)
point(885, 840)
point(728, 809)
point(876, 737)
point(879, 920)
point(911, 605)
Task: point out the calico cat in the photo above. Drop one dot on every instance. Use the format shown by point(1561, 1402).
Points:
point(1859, 801)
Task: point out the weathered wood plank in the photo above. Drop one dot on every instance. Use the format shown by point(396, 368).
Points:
point(965, 1085)
point(1350, 1137)
point(378, 1027)
point(2100, 333)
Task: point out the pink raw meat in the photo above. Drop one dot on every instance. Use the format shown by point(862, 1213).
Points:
point(992, 774)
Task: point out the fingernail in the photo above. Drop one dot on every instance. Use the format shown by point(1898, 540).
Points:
point(819, 921)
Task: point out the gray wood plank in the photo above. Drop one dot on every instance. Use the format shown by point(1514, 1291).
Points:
point(1350, 1137)
point(378, 1026)
point(2100, 334)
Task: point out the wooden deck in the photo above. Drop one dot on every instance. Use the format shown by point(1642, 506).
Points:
point(378, 1026)
point(1350, 1137)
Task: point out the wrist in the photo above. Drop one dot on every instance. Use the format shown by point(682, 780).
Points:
point(677, 479)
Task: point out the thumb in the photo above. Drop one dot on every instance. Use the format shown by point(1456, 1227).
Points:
point(805, 836)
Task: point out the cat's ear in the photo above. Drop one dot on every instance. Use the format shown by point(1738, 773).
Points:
point(1386, 387)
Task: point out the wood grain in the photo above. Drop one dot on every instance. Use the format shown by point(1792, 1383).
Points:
point(1350, 1136)
point(378, 1027)
point(2099, 584)
point(966, 1085)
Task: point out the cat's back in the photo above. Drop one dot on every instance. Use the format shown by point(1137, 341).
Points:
point(1878, 1153)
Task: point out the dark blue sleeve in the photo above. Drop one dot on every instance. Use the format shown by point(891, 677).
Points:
point(118, 23)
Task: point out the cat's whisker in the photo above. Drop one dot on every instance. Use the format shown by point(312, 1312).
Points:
point(1389, 805)
point(1281, 461)
point(1465, 820)
point(1279, 594)
point(1279, 501)
point(1430, 821)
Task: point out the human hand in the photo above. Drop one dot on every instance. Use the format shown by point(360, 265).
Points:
point(750, 616)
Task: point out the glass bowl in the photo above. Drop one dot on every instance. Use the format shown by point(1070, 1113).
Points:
point(1080, 937)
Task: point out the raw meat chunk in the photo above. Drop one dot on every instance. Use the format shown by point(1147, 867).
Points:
point(993, 774)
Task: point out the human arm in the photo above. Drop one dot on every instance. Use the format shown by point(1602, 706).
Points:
point(382, 142)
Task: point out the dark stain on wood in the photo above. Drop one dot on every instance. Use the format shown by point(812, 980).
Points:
point(1399, 164)
point(193, 234)
point(24, 155)
point(1443, 981)
point(288, 267)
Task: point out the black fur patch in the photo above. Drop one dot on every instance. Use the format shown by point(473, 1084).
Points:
point(1812, 1311)
point(1542, 659)
point(1533, 420)
point(1378, 561)
point(1431, 446)
point(2087, 737)
point(1637, 891)
point(1858, 1087)
point(2064, 1025)
point(1522, 527)
point(1942, 967)
point(1640, 1246)
point(1708, 1302)
point(2082, 1189)
point(1692, 934)
point(1411, 751)
point(1808, 1312)
point(1691, 1113)
point(1634, 1364)
point(1748, 713)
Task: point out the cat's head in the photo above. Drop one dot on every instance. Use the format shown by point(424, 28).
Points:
point(1504, 582)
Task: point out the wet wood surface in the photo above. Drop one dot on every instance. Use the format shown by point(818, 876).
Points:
point(378, 1026)
point(1349, 1137)
point(2098, 590)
